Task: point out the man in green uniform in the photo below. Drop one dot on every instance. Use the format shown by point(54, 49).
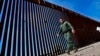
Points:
point(67, 29)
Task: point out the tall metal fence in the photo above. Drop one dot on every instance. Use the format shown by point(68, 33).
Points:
point(29, 29)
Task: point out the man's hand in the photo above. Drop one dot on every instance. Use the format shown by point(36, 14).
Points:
point(57, 35)
point(73, 31)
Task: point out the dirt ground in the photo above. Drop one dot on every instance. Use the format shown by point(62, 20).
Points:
point(91, 50)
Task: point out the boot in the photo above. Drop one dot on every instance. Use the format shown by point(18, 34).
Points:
point(68, 52)
point(75, 50)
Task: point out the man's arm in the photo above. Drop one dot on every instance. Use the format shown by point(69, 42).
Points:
point(72, 29)
point(59, 32)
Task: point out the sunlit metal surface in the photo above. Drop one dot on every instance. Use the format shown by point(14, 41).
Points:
point(30, 29)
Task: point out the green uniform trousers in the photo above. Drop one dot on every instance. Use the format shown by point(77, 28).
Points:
point(70, 43)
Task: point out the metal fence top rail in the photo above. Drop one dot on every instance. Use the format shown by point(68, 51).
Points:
point(65, 10)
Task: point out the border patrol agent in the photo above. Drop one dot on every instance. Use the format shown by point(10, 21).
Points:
point(67, 30)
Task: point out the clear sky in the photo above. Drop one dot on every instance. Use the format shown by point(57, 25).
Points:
point(89, 8)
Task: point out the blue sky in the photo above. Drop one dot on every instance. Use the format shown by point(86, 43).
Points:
point(89, 8)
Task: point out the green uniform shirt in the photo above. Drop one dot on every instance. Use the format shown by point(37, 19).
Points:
point(65, 27)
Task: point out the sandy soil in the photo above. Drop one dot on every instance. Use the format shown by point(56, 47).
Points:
point(90, 50)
